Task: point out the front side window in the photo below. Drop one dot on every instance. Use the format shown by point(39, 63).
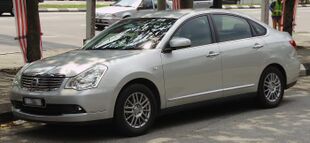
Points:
point(132, 34)
point(197, 30)
point(231, 27)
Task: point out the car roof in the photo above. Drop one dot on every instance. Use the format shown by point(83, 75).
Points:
point(176, 14)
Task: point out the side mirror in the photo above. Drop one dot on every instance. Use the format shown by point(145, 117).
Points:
point(180, 42)
point(177, 43)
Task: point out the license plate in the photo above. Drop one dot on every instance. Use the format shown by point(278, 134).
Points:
point(34, 102)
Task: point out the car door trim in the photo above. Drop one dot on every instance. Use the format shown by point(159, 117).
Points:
point(212, 91)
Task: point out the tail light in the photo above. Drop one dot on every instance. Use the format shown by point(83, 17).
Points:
point(293, 43)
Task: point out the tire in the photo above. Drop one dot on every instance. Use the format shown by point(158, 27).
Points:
point(271, 88)
point(139, 116)
point(100, 28)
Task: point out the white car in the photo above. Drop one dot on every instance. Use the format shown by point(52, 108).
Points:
point(106, 16)
point(143, 65)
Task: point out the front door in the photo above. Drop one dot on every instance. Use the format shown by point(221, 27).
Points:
point(193, 74)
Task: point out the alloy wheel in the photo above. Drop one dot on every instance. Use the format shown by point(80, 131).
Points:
point(137, 110)
point(272, 87)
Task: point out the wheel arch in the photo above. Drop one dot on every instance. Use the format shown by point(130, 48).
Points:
point(150, 84)
point(280, 68)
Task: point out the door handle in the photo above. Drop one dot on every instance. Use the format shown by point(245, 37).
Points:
point(258, 46)
point(212, 54)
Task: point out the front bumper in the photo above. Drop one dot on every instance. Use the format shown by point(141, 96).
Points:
point(60, 106)
point(82, 117)
point(105, 22)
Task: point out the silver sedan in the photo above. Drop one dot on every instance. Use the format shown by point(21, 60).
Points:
point(140, 66)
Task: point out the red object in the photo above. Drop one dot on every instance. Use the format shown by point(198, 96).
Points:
point(20, 10)
point(293, 43)
point(176, 4)
point(21, 24)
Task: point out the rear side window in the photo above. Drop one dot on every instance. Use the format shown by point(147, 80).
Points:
point(258, 29)
point(231, 27)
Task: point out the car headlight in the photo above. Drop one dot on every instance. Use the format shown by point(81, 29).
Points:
point(18, 76)
point(87, 79)
point(109, 15)
point(17, 79)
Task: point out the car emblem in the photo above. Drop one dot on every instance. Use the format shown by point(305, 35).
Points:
point(34, 83)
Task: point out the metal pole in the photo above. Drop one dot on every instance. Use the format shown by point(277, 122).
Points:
point(265, 11)
point(90, 18)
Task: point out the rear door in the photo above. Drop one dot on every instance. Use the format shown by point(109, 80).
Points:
point(240, 52)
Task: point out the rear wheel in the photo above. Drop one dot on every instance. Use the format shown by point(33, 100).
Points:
point(271, 88)
point(135, 110)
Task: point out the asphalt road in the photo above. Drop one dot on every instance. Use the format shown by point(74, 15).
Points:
point(233, 121)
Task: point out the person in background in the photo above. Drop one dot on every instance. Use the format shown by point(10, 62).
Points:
point(276, 9)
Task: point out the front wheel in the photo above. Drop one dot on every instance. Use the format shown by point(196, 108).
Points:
point(271, 88)
point(135, 110)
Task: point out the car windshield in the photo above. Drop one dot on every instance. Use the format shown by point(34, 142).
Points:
point(131, 34)
point(126, 3)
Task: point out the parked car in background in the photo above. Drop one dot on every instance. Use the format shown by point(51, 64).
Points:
point(199, 3)
point(142, 65)
point(126, 8)
point(6, 6)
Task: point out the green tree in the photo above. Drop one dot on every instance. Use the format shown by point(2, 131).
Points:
point(34, 32)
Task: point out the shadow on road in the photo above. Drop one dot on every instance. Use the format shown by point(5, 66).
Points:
point(106, 131)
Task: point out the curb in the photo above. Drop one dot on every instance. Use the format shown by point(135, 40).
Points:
point(224, 7)
point(62, 10)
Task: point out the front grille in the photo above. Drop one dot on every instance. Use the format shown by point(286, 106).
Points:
point(50, 109)
point(41, 83)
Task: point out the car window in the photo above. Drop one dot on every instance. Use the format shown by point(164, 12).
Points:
point(197, 30)
point(131, 34)
point(231, 27)
point(147, 4)
point(258, 29)
point(125, 3)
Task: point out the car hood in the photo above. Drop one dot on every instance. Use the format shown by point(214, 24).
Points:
point(74, 62)
point(113, 9)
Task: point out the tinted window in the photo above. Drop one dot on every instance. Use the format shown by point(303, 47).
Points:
point(131, 34)
point(197, 30)
point(231, 27)
point(147, 4)
point(258, 29)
